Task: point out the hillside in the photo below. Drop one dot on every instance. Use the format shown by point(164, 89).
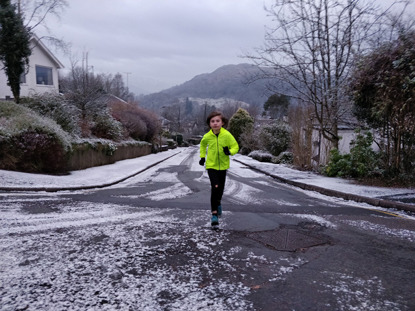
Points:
point(226, 82)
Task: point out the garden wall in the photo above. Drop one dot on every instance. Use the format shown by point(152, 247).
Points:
point(85, 155)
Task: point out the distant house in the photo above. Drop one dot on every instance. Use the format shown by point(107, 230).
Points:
point(320, 149)
point(42, 76)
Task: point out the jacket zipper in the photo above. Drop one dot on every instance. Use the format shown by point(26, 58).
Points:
point(217, 147)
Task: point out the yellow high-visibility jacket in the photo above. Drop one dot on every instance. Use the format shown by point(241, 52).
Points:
point(215, 157)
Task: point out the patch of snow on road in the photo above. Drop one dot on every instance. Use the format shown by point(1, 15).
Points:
point(356, 294)
point(315, 218)
point(243, 193)
point(398, 233)
point(126, 259)
point(168, 193)
point(160, 177)
point(40, 199)
point(243, 171)
point(285, 203)
point(278, 268)
point(74, 216)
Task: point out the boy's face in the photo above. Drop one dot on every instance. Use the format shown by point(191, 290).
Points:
point(216, 123)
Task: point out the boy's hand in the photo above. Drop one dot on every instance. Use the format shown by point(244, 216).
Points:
point(202, 161)
point(226, 151)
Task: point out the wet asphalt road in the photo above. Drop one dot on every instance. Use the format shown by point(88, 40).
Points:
point(146, 244)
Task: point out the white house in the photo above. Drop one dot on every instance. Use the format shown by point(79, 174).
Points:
point(42, 76)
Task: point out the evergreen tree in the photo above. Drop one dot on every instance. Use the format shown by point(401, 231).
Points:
point(383, 87)
point(277, 106)
point(241, 122)
point(14, 46)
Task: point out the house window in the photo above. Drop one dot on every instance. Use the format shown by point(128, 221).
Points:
point(44, 75)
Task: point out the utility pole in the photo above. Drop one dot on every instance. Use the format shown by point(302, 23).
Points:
point(127, 74)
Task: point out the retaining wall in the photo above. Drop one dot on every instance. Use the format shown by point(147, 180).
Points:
point(85, 156)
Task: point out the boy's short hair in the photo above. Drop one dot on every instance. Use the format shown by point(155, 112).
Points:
point(215, 114)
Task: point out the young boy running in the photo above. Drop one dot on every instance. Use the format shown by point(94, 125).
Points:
point(220, 144)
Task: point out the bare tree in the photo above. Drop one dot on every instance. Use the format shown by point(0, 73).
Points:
point(312, 48)
point(36, 14)
point(37, 11)
point(84, 90)
point(230, 107)
point(174, 114)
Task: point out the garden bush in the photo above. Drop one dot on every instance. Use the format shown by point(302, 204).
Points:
point(140, 124)
point(250, 141)
point(55, 107)
point(275, 137)
point(362, 161)
point(261, 156)
point(240, 123)
point(285, 157)
point(105, 126)
point(30, 142)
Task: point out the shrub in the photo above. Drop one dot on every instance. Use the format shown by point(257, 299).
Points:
point(284, 158)
point(38, 151)
point(360, 162)
point(250, 141)
point(153, 124)
point(30, 142)
point(55, 107)
point(105, 126)
point(275, 137)
point(139, 123)
point(240, 123)
point(261, 156)
point(339, 165)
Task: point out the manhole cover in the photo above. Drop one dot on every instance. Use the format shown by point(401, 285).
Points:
point(288, 239)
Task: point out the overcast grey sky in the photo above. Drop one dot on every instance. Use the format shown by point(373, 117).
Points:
point(161, 43)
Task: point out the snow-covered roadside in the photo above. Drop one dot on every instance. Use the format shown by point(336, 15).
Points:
point(333, 183)
point(94, 176)
point(108, 174)
point(399, 198)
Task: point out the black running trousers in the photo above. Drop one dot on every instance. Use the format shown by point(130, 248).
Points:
point(217, 182)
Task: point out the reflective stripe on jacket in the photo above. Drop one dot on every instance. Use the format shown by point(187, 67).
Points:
point(215, 157)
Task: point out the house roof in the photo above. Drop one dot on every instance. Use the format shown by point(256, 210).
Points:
point(37, 42)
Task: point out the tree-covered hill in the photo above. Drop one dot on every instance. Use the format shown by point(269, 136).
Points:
point(229, 82)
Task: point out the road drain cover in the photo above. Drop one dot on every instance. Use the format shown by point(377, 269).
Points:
point(288, 239)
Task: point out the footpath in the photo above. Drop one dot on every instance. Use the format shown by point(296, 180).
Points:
point(108, 175)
